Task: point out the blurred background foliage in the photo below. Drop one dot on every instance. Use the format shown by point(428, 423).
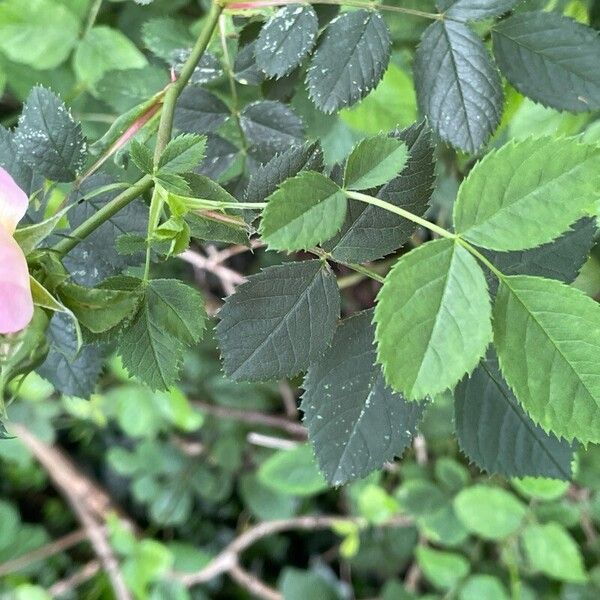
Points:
point(191, 469)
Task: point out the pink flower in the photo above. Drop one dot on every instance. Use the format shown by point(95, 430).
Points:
point(16, 303)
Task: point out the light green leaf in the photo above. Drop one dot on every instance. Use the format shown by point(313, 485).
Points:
point(528, 193)
point(433, 319)
point(141, 156)
point(99, 309)
point(479, 587)
point(104, 49)
point(306, 210)
point(540, 488)
point(183, 153)
point(293, 472)
point(547, 335)
point(443, 569)
point(552, 551)
point(38, 33)
point(375, 161)
point(491, 513)
point(391, 104)
point(30, 237)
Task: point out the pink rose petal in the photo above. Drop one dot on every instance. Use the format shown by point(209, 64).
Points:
point(13, 202)
point(16, 303)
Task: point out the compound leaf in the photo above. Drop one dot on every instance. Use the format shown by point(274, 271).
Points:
point(355, 421)
point(433, 319)
point(370, 232)
point(279, 322)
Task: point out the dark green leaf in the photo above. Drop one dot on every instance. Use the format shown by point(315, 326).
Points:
point(48, 139)
point(214, 229)
point(286, 39)
point(458, 87)
point(279, 322)
point(355, 422)
point(96, 257)
point(26, 178)
point(561, 259)
point(350, 60)
point(245, 69)
point(70, 372)
point(220, 155)
point(550, 58)
point(268, 177)
point(497, 435)
point(199, 111)
point(270, 127)
point(474, 10)
point(369, 232)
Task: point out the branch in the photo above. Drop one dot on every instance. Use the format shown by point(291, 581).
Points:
point(70, 583)
point(228, 559)
point(59, 545)
point(253, 418)
point(88, 501)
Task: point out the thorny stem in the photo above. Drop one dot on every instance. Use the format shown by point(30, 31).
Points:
point(163, 136)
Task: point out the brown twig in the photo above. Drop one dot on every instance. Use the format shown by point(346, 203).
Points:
point(76, 579)
point(88, 501)
point(228, 559)
point(253, 584)
point(59, 545)
point(253, 418)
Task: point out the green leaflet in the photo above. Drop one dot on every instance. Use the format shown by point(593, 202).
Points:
point(102, 50)
point(474, 10)
point(355, 421)
point(171, 317)
point(48, 138)
point(433, 319)
point(443, 569)
point(550, 58)
point(528, 193)
point(286, 38)
point(375, 161)
point(306, 210)
point(293, 472)
point(183, 153)
point(551, 550)
point(488, 512)
point(39, 33)
point(351, 59)
point(279, 322)
point(547, 336)
point(458, 87)
point(496, 433)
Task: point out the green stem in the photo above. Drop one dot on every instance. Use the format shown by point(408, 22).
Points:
point(480, 257)
point(106, 212)
point(366, 271)
point(166, 121)
point(401, 212)
point(91, 17)
point(164, 135)
point(156, 205)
